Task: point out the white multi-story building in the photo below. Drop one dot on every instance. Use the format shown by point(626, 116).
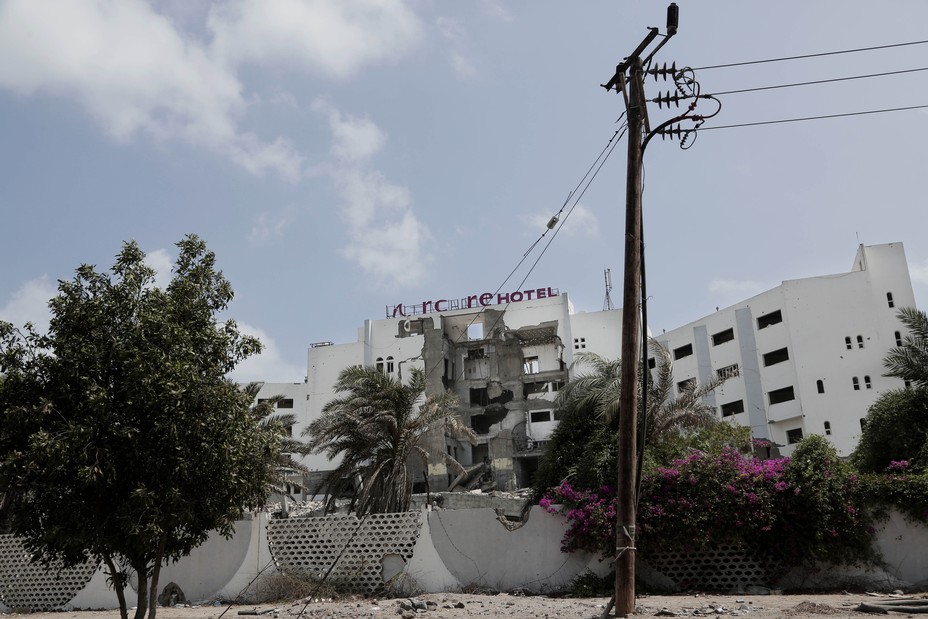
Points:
point(805, 357)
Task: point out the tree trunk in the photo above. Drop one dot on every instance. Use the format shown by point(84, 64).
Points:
point(141, 572)
point(155, 573)
point(119, 584)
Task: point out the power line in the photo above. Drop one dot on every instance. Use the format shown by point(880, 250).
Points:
point(793, 120)
point(826, 81)
point(843, 51)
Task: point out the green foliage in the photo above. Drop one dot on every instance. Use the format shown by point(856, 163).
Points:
point(824, 520)
point(910, 361)
point(900, 488)
point(588, 584)
point(376, 427)
point(121, 436)
point(895, 429)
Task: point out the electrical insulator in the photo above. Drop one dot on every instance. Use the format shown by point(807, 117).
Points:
point(671, 132)
point(666, 99)
point(664, 71)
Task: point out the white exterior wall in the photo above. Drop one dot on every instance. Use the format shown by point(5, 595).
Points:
point(818, 313)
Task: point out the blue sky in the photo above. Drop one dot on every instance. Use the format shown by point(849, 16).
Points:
point(343, 156)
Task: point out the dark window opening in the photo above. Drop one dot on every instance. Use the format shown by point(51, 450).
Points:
point(794, 436)
point(769, 319)
point(820, 385)
point(732, 408)
point(860, 341)
point(390, 365)
point(379, 364)
point(683, 351)
point(776, 356)
point(847, 342)
point(479, 397)
point(533, 388)
point(827, 428)
point(898, 338)
point(579, 343)
point(540, 416)
point(856, 382)
point(652, 363)
point(686, 385)
point(476, 353)
point(867, 383)
point(723, 336)
point(285, 403)
point(781, 395)
point(481, 424)
point(889, 299)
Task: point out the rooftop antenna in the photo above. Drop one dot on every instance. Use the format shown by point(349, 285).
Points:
point(607, 304)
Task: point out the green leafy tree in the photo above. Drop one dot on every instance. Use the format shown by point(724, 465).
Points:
point(377, 427)
point(583, 446)
point(895, 430)
point(910, 361)
point(122, 439)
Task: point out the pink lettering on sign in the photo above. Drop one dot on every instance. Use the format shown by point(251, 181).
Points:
point(470, 301)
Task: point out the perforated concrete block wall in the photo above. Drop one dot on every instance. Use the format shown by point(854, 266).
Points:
point(24, 584)
point(311, 545)
point(725, 568)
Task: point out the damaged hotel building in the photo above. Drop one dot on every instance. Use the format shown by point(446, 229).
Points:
point(802, 358)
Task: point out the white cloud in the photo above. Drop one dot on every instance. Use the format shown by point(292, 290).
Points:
point(334, 38)
point(463, 65)
point(386, 239)
point(497, 10)
point(450, 28)
point(391, 253)
point(919, 272)
point(269, 227)
point(353, 139)
point(269, 365)
point(30, 304)
point(160, 260)
point(369, 196)
point(135, 74)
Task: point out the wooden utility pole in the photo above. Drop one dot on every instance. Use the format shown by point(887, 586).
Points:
point(632, 330)
point(628, 398)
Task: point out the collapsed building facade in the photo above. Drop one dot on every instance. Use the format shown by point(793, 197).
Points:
point(505, 361)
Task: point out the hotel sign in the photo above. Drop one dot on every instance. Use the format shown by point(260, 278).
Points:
point(469, 302)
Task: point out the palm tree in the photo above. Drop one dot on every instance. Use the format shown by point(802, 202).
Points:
point(377, 427)
point(597, 384)
point(910, 360)
point(288, 466)
point(583, 446)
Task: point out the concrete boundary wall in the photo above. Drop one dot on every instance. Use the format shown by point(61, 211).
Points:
point(453, 550)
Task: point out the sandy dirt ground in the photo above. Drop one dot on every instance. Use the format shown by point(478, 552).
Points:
point(451, 606)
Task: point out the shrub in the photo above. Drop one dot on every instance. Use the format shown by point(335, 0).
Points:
point(800, 509)
point(895, 429)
